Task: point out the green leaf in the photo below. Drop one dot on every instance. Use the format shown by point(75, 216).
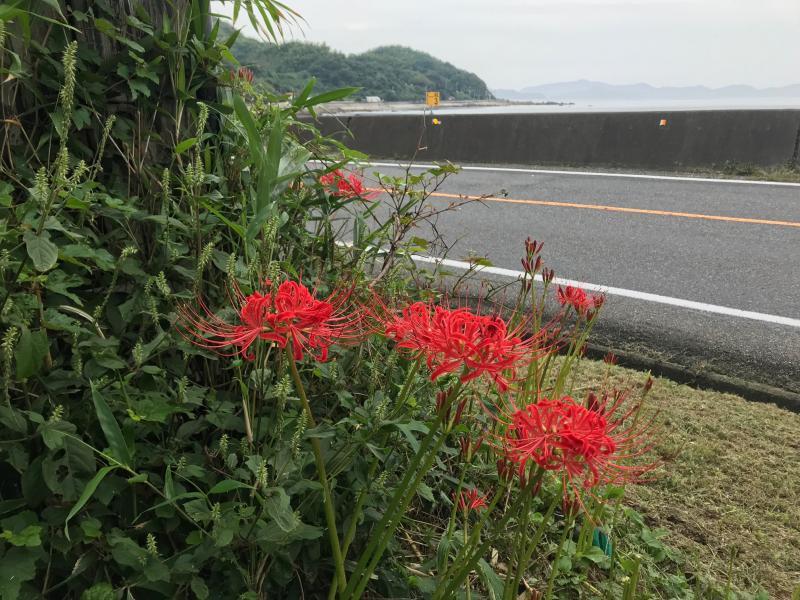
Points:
point(279, 508)
point(65, 471)
point(229, 485)
point(31, 352)
point(29, 537)
point(185, 145)
point(331, 96)
point(253, 137)
point(199, 588)
point(13, 419)
point(42, 252)
point(87, 493)
point(16, 567)
point(491, 580)
point(54, 4)
point(9, 506)
point(99, 591)
point(116, 441)
point(169, 485)
point(138, 86)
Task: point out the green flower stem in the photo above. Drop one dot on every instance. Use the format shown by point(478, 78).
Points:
point(469, 560)
point(554, 570)
point(532, 545)
point(516, 567)
point(350, 534)
point(330, 516)
point(399, 502)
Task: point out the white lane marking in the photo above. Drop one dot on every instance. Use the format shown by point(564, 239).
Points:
point(615, 291)
point(587, 174)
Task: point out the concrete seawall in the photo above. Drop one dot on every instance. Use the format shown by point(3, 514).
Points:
point(711, 138)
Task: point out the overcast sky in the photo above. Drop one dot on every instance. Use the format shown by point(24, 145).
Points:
point(516, 43)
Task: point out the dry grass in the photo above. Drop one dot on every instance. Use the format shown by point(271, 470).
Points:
point(729, 490)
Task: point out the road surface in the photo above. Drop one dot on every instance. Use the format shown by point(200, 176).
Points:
point(704, 274)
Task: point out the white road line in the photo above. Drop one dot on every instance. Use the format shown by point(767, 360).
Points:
point(588, 174)
point(614, 291)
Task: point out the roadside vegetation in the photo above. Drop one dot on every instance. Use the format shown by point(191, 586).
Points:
point(206, 394)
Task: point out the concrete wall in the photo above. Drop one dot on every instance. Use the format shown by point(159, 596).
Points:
point(691, 138)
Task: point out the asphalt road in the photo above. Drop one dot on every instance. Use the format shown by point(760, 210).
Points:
point(728, 245)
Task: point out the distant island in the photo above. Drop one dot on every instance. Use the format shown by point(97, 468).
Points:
point(596, 90)
point(388, 73)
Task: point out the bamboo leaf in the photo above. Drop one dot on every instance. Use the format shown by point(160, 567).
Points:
point(87, 493)
point(116, 441)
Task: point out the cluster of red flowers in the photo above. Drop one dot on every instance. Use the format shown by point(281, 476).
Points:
point(457, 340)
point(242, 74)
point(471, 500)
point(345, 186)
point(288, 314)
point(578, 299)
point(587, 445)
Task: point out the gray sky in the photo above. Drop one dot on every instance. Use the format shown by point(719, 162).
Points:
point(515, 43)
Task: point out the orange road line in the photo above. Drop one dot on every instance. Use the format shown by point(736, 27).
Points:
point(622, 209)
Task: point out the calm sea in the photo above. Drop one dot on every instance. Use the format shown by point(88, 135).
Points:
point(600, 106)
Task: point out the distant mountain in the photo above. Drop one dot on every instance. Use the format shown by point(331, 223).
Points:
point(389, 72)
point(596, 90)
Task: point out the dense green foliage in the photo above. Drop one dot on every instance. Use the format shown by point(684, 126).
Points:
point(389, 72)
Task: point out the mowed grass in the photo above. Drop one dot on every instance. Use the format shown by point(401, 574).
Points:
point(729, 487)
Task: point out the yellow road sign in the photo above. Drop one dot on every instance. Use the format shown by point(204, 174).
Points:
point(432, 98)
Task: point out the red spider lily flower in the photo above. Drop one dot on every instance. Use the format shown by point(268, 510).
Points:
point(242, 74)
point(458, 340)
point(471, 501)
point(587, 445)
point(610, 358)
point(287, 314)
point(574, 297)
point(470, 446)
point(345, 186)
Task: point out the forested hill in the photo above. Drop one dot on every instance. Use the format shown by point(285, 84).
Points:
point(390, 72)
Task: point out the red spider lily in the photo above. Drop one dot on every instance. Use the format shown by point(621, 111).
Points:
point(587, 445)
point(345, 186)
point(471, 500)
point(578, 299)
point(287, 314)
point(458, 340)
point(243, 74)
point(469, 446)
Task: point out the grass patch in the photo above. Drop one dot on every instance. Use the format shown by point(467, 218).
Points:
point(728, 491)
point(734, 170)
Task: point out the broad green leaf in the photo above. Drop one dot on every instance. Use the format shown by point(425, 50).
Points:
point(30, 537)
point(65, 471)
point(185, 145)
point(279, 508)
point(87, 493)
point(42, 252)
point(30, 353)
point(17, 566)
point(13, 419)
point(99, 591)
point(199, 588)
point(116, 441)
